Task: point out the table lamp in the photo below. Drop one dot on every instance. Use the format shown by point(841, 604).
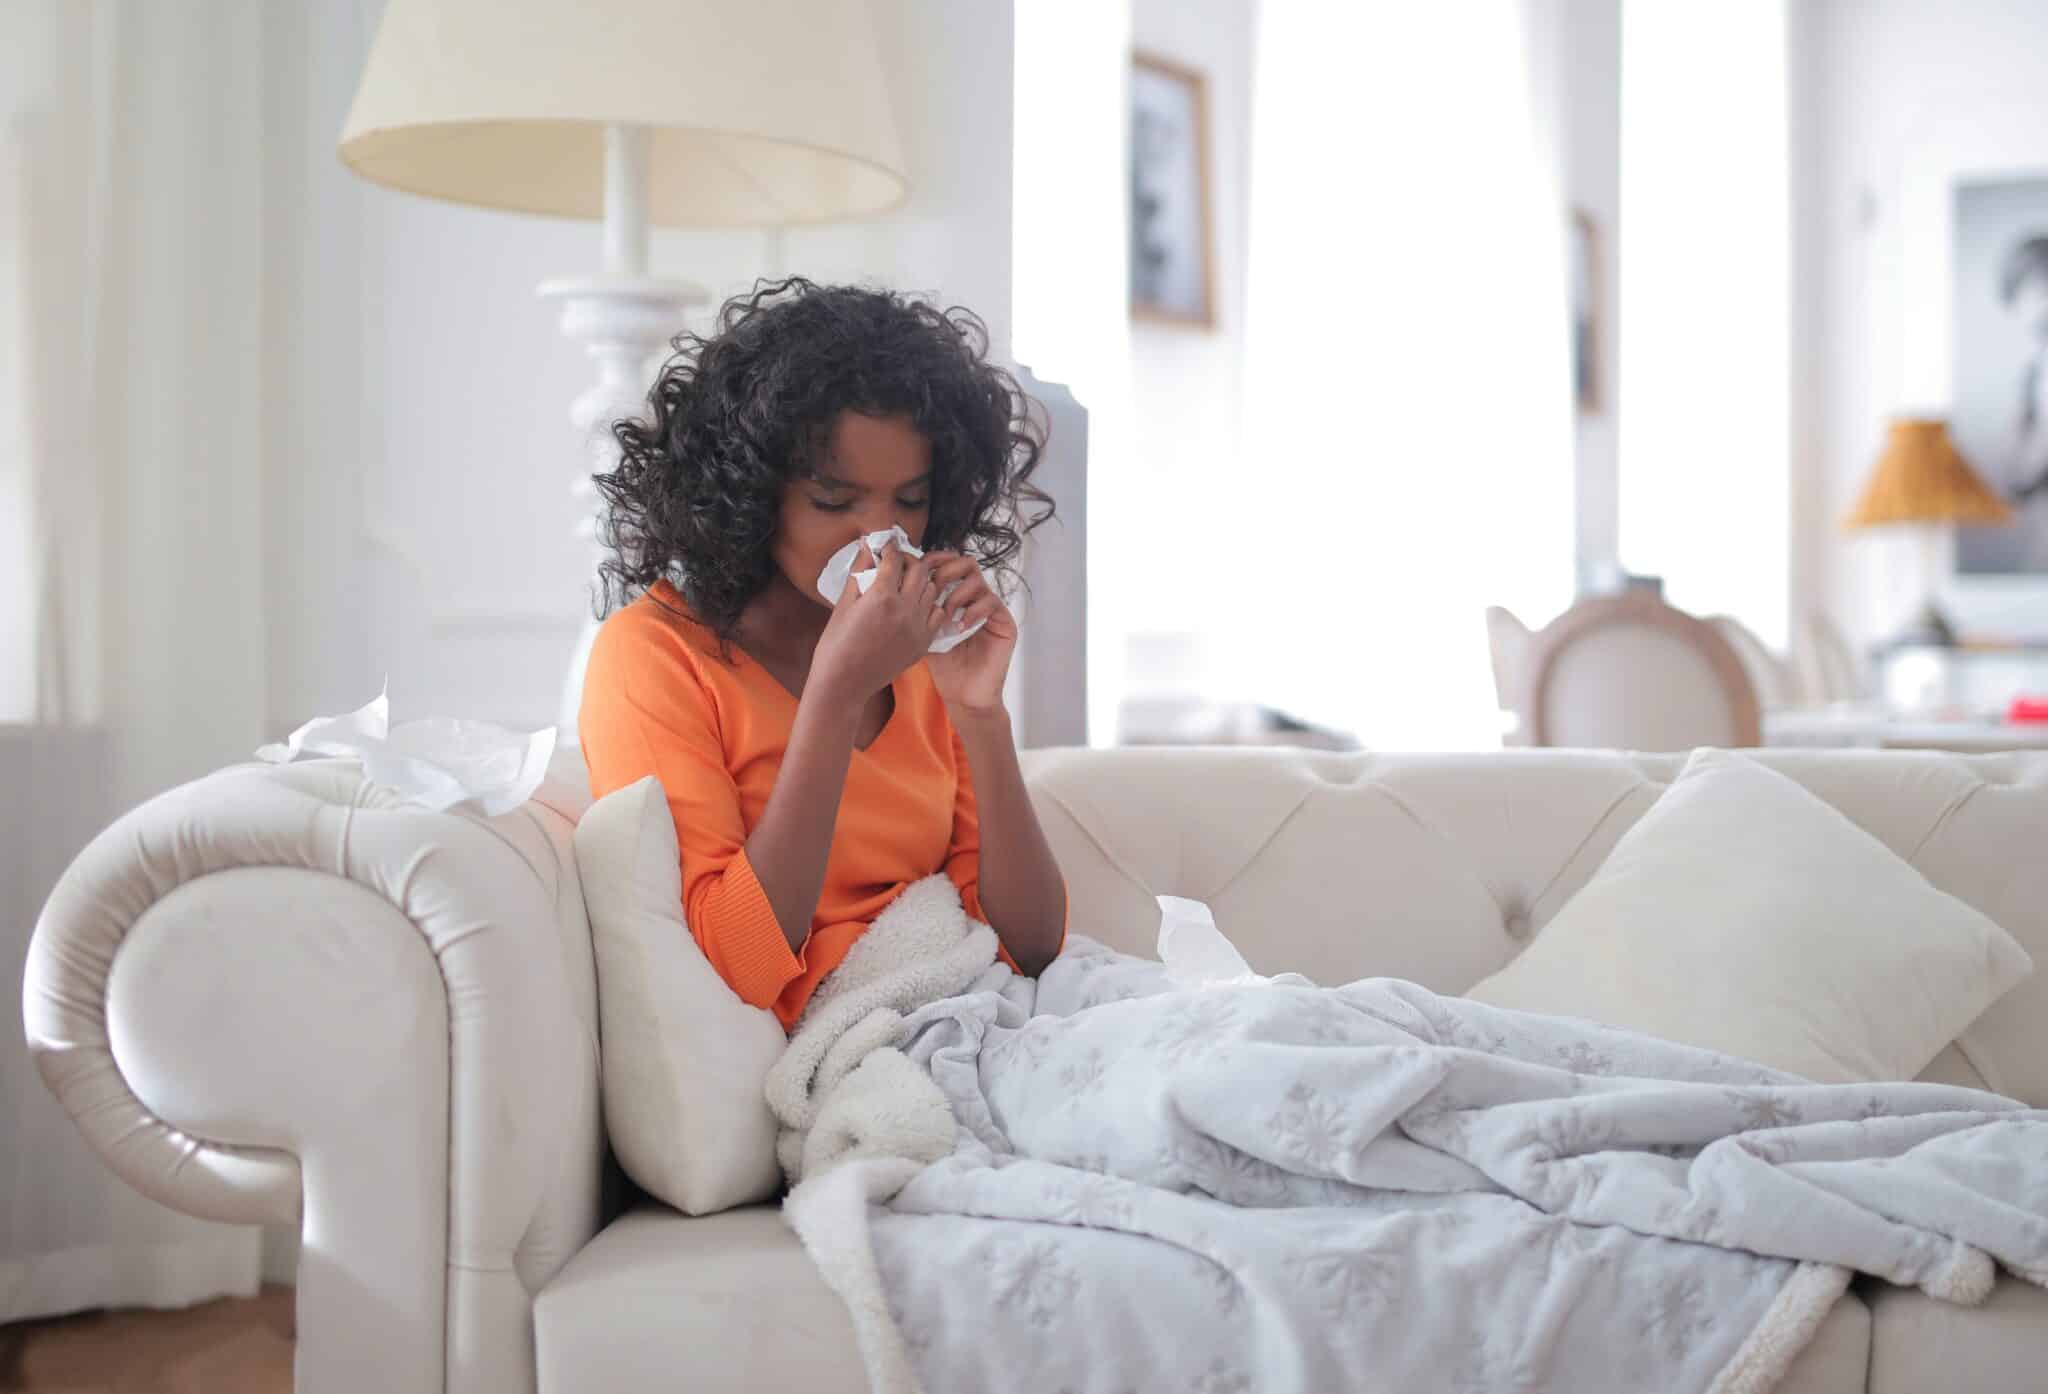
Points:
point(685, 113)
point(1922, 481)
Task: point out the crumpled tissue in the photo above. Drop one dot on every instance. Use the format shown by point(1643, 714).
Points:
point(437, 762)
point(1196, 953)
point(832, 580)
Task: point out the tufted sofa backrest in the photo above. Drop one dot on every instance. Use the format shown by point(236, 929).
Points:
point(1441, 868)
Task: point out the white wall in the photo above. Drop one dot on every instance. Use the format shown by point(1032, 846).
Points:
point(1889, 100)
point(418, 445)
point(1187, 384)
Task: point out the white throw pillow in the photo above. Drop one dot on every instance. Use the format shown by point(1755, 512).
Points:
point(1744, 915)
point(684, 1058)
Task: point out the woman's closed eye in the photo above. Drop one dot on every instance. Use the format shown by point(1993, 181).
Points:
point(843, 506)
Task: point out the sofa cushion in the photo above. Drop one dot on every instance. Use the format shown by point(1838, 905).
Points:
point(721, 1304)
point(1837, 1359)
point(731, 1304)
point(684, 1058)
point(1919, 1344)
point(1441, 868)
point(1744, 915)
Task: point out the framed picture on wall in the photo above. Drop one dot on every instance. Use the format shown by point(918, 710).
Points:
point(1999, 339)
point(1171, 235)
point(1583, 250)
point(1968, 192)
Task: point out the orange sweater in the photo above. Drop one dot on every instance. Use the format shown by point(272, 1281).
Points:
point(659, 700)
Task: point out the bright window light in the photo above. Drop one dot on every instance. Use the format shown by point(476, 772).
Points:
point(1069, 300)
point(1407, 433)
point(1705, 306)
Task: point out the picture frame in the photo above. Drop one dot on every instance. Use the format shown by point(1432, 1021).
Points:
point(1999, 376)
point(1588, 330)
point(1912, 285)
point(1172, 232)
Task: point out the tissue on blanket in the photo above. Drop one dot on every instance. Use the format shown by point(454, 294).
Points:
point(1194, 951)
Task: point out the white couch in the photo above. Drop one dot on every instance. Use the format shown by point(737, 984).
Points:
point(278, 995)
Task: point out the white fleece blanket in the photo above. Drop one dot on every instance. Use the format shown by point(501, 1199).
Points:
point(1097, 1183)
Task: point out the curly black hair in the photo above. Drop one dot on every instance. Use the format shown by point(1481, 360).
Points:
point(735, 415)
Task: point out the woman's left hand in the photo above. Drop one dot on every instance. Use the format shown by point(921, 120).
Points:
point(970, 676)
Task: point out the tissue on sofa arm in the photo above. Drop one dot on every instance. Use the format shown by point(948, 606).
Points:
point(437, 762)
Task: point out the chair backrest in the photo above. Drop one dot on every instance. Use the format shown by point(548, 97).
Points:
point(1628, 672)
point(1507, 640)
point(1771, 673)
point(1831, 671)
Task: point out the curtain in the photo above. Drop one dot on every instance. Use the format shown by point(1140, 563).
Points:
point(131, 413)
point(1407, 427)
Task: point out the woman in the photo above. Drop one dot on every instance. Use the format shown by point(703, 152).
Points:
point(815, 757)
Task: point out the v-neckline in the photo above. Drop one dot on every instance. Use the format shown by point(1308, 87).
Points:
point(895, 697)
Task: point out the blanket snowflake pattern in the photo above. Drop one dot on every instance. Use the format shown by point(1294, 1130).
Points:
point(1101, 1183)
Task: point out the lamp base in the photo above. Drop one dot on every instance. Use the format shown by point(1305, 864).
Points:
point(1928, 629)
point(622, 322)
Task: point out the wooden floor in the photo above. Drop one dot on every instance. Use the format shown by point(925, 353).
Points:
point(238, 1345)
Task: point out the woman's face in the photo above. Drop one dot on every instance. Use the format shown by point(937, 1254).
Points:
point(875, 474)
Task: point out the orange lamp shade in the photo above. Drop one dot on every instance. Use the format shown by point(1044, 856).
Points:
point(1920, 478)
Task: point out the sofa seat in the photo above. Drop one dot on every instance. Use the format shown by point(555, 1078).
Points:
point(733, 1300)
point(726, 1302)
point(1920, 1344)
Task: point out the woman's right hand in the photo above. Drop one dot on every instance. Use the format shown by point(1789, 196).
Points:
point(875, 635)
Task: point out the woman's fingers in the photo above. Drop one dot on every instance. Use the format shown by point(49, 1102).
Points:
point(961, 591)
point(917, 580)
point(889, 568)
point(950, 567)
point(851, 591)
point(947, 586)
point(985, 606)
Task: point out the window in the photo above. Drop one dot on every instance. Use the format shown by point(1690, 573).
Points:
point(1706, 307)
point(1407, 432)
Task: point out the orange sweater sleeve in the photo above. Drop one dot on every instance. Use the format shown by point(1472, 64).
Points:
point(963, 854)
point(646, 711)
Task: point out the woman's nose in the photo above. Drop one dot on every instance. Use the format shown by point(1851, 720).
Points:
point(882, 517)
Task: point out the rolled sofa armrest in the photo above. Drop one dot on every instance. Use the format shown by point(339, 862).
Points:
point(280, 994)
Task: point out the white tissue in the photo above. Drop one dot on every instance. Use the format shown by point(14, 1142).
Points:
point(437, 762)
point(1194, 951)
point(832, 580)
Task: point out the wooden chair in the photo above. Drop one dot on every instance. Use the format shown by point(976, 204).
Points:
point(1629, 672)
point(1830, 666)
point(1507, 640)
point(1771, 673)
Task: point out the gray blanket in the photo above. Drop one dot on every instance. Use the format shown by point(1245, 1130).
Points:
point(1277, 1187)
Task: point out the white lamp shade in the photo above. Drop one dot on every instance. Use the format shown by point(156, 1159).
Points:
point(761, 112)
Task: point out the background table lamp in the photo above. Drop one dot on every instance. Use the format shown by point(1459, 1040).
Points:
point(1921, 481)
point(679, 112)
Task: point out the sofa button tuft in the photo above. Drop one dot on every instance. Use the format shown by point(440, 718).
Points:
point(1516, 923)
